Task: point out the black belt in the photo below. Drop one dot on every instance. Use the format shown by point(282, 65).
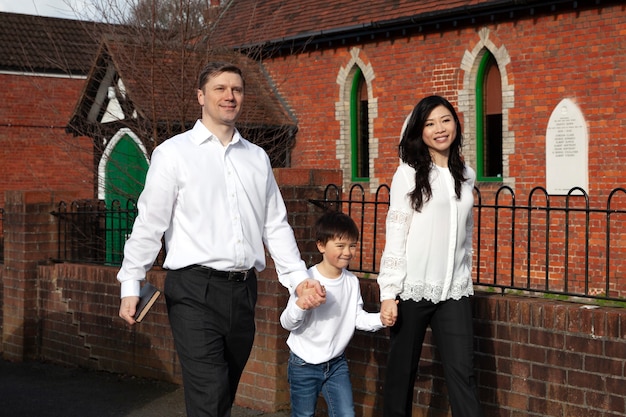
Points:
point(237, 276)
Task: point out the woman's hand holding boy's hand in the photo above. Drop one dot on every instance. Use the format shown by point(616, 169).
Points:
point(389, 312)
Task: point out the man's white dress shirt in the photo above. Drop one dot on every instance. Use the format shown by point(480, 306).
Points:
point(216, 206)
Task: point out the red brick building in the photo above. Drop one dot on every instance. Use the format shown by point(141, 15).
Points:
point(325, 60)
point(85, 103)
point(335, 83)
point(43, 65)
point(379, 58)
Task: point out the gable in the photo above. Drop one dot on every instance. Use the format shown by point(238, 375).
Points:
point(160, 88)
point(153, 92)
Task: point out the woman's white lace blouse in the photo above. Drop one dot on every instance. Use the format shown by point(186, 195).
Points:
point(428, 254)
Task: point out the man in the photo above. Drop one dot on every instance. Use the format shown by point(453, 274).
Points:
point(213, 195)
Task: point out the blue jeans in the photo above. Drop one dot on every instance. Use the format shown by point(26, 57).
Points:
point(331, 378)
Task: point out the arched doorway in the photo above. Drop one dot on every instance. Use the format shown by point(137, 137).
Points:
point(122, 174)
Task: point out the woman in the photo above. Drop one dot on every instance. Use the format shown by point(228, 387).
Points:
point(427, 262)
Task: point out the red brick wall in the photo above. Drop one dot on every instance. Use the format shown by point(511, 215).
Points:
point(36, 153)
point(533, 357)
point(80, 324)
point(29, 240)
point(538, 356)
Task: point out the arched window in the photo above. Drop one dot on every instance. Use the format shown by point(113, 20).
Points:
point(489, 120)
point(359, 128)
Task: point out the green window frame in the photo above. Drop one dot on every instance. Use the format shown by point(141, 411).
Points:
point(488, 126)
point(359, 128)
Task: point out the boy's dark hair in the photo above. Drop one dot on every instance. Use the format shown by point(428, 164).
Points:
point(335, 224)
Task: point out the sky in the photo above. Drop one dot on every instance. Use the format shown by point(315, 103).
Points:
point(66, 9)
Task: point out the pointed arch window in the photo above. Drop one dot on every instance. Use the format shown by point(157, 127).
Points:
point(359, 128)
point(489, 120)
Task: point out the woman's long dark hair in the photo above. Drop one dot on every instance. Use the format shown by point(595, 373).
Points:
point(414, 152)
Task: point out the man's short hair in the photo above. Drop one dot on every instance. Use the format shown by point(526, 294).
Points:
point(213, 69)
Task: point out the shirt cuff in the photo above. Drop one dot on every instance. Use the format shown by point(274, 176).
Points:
point(298, 313)
point(387, 295)
point(130, 288)
point(294, 279)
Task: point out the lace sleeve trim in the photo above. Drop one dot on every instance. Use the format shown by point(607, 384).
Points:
point(392, 263)
point(398, 219)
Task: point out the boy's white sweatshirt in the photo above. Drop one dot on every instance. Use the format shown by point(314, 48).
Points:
point(323, 333)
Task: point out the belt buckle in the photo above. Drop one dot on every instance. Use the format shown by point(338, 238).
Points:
point(237, 276)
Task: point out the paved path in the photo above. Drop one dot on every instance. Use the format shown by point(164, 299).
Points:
point(33, 389)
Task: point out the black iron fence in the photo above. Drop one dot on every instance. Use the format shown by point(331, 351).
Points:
point(557, 245)
point(91, 232)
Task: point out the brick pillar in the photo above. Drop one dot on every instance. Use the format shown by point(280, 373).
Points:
point(264, 383)
point(29, 240)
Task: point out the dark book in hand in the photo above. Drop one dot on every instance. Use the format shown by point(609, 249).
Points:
point(147, 296)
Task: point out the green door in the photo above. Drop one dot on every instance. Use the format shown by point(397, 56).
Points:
point(125, 175)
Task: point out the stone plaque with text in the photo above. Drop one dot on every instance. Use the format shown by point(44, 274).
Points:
point(567, 141)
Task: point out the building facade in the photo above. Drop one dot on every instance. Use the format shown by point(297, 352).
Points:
point(351, 75)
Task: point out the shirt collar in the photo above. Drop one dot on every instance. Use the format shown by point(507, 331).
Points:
point(200, 134)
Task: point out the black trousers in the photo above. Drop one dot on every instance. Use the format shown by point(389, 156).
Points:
point(212, 320)
point(451, 324)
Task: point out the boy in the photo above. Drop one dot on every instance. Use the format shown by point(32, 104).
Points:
point(319, 336)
